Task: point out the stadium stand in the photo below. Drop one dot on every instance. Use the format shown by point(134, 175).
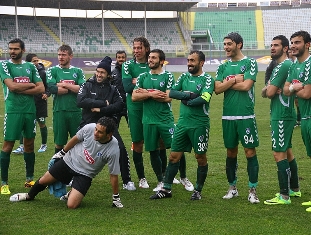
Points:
point(221, 23)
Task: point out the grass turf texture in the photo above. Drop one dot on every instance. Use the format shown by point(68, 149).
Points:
point(178, 215)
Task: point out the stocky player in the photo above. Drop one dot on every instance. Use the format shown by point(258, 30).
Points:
point(235, 78)
point(83, 157)
point(153, 89)
point(20, 81)
point(64, 82)
point(282, 121)
point(194, 89)
point(299, 83)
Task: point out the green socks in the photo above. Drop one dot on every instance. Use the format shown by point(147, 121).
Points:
point(4, 162)
point(29, 159)
point(294, 181)
point(156, 164)
point(44, 134)
point(231, 168)
point(182, 166)
point(283, 176)
point(252, 169)
point(170, 174)
point(163, 158)
point(139, 164)
point(201, 176)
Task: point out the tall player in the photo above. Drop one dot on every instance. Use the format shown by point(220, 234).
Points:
point(130, 71)
point(20, 81)
point(299, 83)
point(64, 81)
point(235, 78)
point(282, 121)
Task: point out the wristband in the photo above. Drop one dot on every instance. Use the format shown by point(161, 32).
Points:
point(291, 88)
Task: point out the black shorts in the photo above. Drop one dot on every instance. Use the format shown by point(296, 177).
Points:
point(41, 107)
point(63, 173)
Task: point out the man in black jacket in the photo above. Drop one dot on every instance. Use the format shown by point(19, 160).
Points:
point(98, 98)
point(116, 80)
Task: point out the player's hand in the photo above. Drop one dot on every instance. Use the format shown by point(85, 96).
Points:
point(95, 110)
point(116, 201)
point(60, 154)
point(134, 80)
point(239, 78)
point(193, 96)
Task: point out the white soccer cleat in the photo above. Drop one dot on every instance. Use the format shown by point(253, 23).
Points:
point(176, 181)
point(19, 197)
point(129, 186)
point(252, 196)
point(231, 193)
point(187, 184)
point(158, 188)
point(143, 183)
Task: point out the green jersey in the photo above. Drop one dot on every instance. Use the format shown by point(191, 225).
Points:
point(238, 104)
point(72, 75)
point(156, 112)
point(25, 72)
point(281, 106)
point(300, 72)
point(196, 116)
point(132, 69)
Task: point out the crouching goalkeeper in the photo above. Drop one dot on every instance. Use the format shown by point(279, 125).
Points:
point(82, 158)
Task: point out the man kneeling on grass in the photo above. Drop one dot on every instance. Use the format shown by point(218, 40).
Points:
point(83, 157)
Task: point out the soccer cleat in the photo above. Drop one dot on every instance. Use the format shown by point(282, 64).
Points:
point(306, 203)
point(42, 148)
point(29, 184)
point(159, 187)
point(143, 183)
point(187, 184)
point(308, 209)
point(252, 196)
point(278, 200)
point(176, 181)
point(5, 189)
point(231, 193)
point(292, 193)
point(196, 195)
point(161, 194)
point(117, 203)
point(19, 197)
point(129, 186)
point(19, 150)
point(65, 197)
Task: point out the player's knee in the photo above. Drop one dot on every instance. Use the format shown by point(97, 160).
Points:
point(250, 152)
point(71, 205)
point(201, 159)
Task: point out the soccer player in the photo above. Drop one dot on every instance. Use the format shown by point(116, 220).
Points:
point(153, 89)
point(41, 106)
point(64, 81)
point(83, 157)
point(235, 78)
point(298, 84)
point(282, 121)
point(116, 80)
point(98, 98)
point(194, 89)
point(130, 71)
point(20, 81)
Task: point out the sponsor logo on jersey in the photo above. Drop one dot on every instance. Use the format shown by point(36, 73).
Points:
point(295, 81)
point(68, 81)
point(22, 79)
point(229, 77)
point(88, 157)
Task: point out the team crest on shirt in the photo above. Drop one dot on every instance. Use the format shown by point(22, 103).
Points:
point(248, 130)
point(201, 138)
point(28, 71)
point(242, 68)
point(199, 86)
point(301, 74)
point(75, 75)
point(171, 131)
point(162, 84)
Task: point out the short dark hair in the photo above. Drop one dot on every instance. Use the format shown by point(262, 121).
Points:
point(17, 40)
point(120, 52)
point(109, 123)
point(160, 52)
point(304, 34)
point(30, 56)
point(199, 53)
point(145, 43)
point(283, 39)
point(235, 37)
point(65, 48)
